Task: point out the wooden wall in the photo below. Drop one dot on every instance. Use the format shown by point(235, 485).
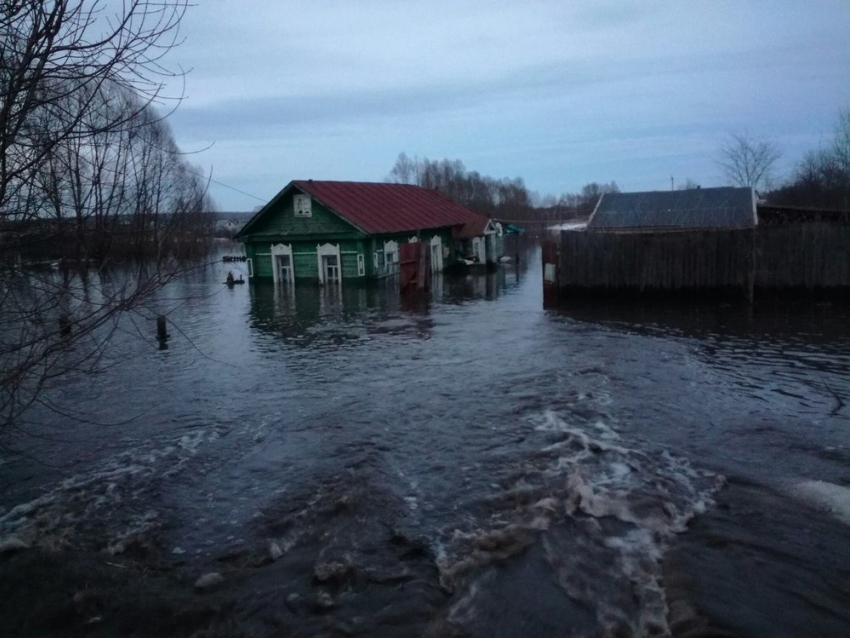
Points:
point(660, 261)
point(808, 255)
point(805, 255)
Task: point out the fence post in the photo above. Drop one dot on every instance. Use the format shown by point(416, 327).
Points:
point(161, 328)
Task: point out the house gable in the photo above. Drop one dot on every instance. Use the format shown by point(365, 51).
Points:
point(278, 219)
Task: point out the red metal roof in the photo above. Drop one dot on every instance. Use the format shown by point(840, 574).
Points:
point(389, 208)
point(474, 228)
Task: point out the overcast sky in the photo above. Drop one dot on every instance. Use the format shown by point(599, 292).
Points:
point(559, 93)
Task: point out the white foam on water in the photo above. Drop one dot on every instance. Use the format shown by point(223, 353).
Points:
point(832, 498)
point(107, 498)
point(605, 512)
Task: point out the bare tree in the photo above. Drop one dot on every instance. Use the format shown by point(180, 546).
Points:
point(841, 144)
point(747, 160)
point(483, 194)
point(405, 170)
point(82, 148)
point(822, 178)
point(56, 58)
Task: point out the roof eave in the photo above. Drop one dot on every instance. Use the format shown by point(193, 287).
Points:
point(595, 208)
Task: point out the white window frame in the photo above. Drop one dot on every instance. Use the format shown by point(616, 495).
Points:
point(282, 249)
point(302, 206)
point(250, 264)
point(361, 265)
point(391, 250)
point(479, 249)
point(324, 250)
point(436, 242)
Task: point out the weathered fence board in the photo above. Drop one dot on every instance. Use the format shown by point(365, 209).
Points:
point(807, 255)
point(658, 261)
point(813, 255)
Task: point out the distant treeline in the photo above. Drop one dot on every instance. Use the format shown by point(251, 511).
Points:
point(91, 172)
point(507, 199)
point(89, 176)
point(822, 178)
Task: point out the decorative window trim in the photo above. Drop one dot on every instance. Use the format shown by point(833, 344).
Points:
point(391, 257)
point(323, 250)
point(250, 264)
point(436, 265)
point(282, 249)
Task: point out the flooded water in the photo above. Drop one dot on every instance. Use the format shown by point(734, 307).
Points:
point(464, 464)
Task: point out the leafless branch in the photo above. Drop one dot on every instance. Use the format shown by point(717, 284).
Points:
point(747, 160)
point(91, 179)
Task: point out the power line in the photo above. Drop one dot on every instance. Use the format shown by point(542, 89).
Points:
point(233, 188)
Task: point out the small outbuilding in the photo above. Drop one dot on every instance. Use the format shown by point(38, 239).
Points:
point(702, 241)
point(329, 231)
point(480, 241)
point(696, 208)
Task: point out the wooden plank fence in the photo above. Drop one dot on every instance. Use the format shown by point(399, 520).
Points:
point(808, 255)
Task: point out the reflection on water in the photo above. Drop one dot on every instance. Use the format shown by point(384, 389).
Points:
point(428, 463)
point(796, 349)
point(304, 314)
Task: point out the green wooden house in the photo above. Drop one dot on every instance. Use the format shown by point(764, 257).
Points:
point(331, 232)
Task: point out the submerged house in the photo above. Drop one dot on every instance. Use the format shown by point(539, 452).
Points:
point(480, 241)
point(328, 232)
point(709, 240)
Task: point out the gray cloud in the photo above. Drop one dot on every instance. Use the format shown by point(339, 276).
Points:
point(556, 92)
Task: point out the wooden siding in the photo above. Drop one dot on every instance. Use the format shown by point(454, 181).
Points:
point(305, 262)
point(304, 257)
point(280, 220)
point(258, 247)
point(376, 243)
point(261, 259)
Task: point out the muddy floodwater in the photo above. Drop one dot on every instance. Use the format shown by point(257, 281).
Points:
point(354, 463)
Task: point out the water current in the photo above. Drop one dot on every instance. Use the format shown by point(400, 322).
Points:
point(467, 463)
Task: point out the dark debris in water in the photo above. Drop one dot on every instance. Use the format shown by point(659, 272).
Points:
point(303, 593)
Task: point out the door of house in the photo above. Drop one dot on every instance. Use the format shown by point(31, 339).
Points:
point(284, 269)
point(330, 264)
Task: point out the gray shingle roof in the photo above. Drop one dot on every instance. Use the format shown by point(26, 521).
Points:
point(725, 207)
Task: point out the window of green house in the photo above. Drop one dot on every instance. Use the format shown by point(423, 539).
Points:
point(302, 206)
